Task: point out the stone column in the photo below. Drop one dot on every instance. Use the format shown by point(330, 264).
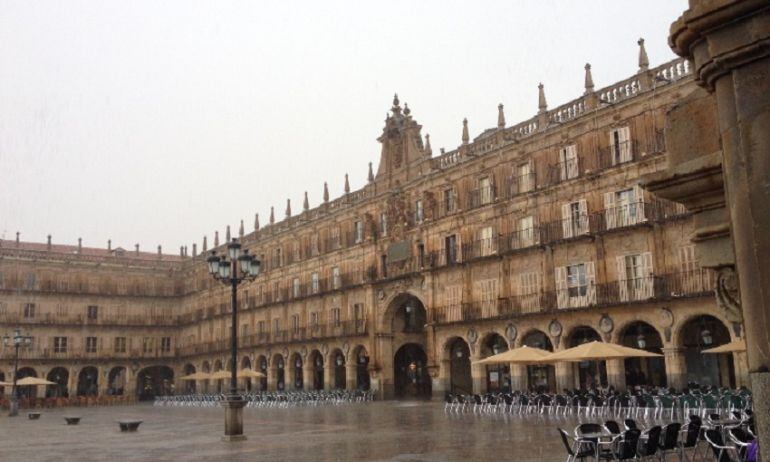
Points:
point(740, 361)
point(478, 375)
point(729, 44)
point(565, 376)
point(440, 383)
point(72, 382)
point(350, 374)
point(328, 372)
point(676, 368)
point(518, 377)
point(272, 378)
point(616, 374)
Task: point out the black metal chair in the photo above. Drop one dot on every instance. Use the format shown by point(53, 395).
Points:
point(742, 440)
point(722, 452)
point(623, 446)
point(576, 450)
point(692, 437)
point(670, 441)
point(630, 424)
point(612, 427)
point(648, 443)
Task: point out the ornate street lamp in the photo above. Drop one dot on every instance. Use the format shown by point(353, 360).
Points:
point(18, 341)
point(239, 268)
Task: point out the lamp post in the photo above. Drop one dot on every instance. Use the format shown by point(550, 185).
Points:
point(18, 341)
point(239, 268)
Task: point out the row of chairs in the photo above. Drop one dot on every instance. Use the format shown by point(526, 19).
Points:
point(271, 399)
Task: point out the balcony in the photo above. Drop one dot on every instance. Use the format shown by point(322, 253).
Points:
point(481, 197)
point(520, 184)
point(480, 248)
point(518, 240)
point(564, 171)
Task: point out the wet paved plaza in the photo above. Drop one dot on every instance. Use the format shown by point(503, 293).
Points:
point(379, 431)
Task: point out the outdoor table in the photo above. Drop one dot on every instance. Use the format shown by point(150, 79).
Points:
point(71, 420)
point(33, 415)
point(597, 439)
point(129, 425)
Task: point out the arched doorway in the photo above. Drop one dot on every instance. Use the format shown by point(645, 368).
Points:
point(411, 372)
point(589, 374)
point(60, 376)
point(702, 333)
point(154, 381)
point(460, 378)
point(362, 368)
point(409, 316)
point(116, 381)
point(189, 385)
point(540, 378)
point(296, 367)
point(262, 363)
point(280, 372)
point(206, 368)
point(498, 375)
point(339, 370)
point(88, 381)
point(317, 361)
point(644, 371)
point(246, 364)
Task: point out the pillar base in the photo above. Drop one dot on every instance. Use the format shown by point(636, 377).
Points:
point(233, 405)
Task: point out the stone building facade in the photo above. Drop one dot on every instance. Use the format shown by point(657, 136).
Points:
point(534, 234)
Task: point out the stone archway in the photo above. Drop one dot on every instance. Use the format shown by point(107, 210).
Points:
point(26, 392)
point(498, 376)
point(338, 365)
point(189, 385)
point(410, 372)
point(701, 333)
point(154, 381)
point(317, 362)
point(116, 381)
point(539, 377)
point(643, 371)
point(262, 366)
point(297, 379)
point(588, 374)
point(460, 377)
point(279, 368)
point(361, 357)
point(405, 320)
point(60, 376)
point(88, 381)
point(206, 368)
point(246, 364)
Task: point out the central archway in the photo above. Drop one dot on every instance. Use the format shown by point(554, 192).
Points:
point(59, 376)
point(498, 375)
point(88, 381)
point(460, 377)
point(154, 381)
point(410, 372)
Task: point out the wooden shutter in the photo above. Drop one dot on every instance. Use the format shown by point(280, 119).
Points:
point(566, 221)
point(609, 210)
point(622, 279)
point(625, 144)
point(583, 207)
point(639, 194)
point(648, 275)
point(562, 296)
point(591, 281)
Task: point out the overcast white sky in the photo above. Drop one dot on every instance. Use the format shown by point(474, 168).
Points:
point(158, 122)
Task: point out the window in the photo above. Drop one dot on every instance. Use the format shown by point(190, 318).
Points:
point(486, 291)
point(335, 237)
point(359, 317)
point(90, 344)
point(277, 257)
point(244, 330)
point(165, 344)
point(421, 255)
point(419, 212)
point(336, 278)
point(120, 345)
point(574, 219)
point(358, 230)
point(450, 249)
point(277, 291)
point(314, 245)
point(449, 200)
point(31, 281)
point(635, 278)
point(525, 177)
point(296, 289)
point(277, 325)
point(694, 279)
point(624, 208)
point(620, 145)
point(486, 241)
point(148, 345)
point(92, 312)
point(295, 251)
point(335, 314)
point(526, 230)
point(575, 285)
point(29, 310)
point(261, 328)
point(485, 191)
point(60, 344)
point(568, 163)
point(383, 224)
point(314, 319)
point(314, 283)
point(529, 292)
point(295, 323)
point(452, 301)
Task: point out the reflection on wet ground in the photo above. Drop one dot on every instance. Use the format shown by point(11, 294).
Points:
point(379, 431)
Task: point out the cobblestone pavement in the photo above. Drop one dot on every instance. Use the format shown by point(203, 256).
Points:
point(379, 431)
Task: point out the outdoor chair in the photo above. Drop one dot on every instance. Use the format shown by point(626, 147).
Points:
point(741, 439)
point(630, 424)
point(691, 439)
point(612, 427)
point(649, 442)
point(722, 452)
point(623, 447)
point(669, 442)
point(576, 449)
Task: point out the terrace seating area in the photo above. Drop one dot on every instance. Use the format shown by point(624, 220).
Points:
point(646, 423)
point(279, 399)
point(72, 401)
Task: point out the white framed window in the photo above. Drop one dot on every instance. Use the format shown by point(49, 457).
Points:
point(575, 285)
point(624, 207)
point(449, 200)
point(358, 231)
point(90, 344)
point(148, 345)
point(29, 310)
point(60, 344)
point(335, 315)
point(383, 224)
point(485, 191)
point(277, 325)
point(165, 344)
point(314, 283)
point(526, 229)
point(314, 319)
point(120, 345)
point(574, 218)
point(419, 212)
point(620, 145)
point(635, 277)
point(486, 241)
point(296, 288)
point(568, 163)
point(295, 323)
point(525, 177)
point(336, 277)
point(314, 245)
point(529, 291)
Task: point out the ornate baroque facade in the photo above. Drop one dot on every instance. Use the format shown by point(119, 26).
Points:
point(536, 233)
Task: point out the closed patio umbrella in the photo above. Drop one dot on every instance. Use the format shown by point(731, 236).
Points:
point(220, 375)
point(522, 355)
point(196, 376)
point(27, 381)
point(249, 374)
point(732, 347)
point(599, 351)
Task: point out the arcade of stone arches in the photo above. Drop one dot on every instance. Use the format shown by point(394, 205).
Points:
point(411, 358)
